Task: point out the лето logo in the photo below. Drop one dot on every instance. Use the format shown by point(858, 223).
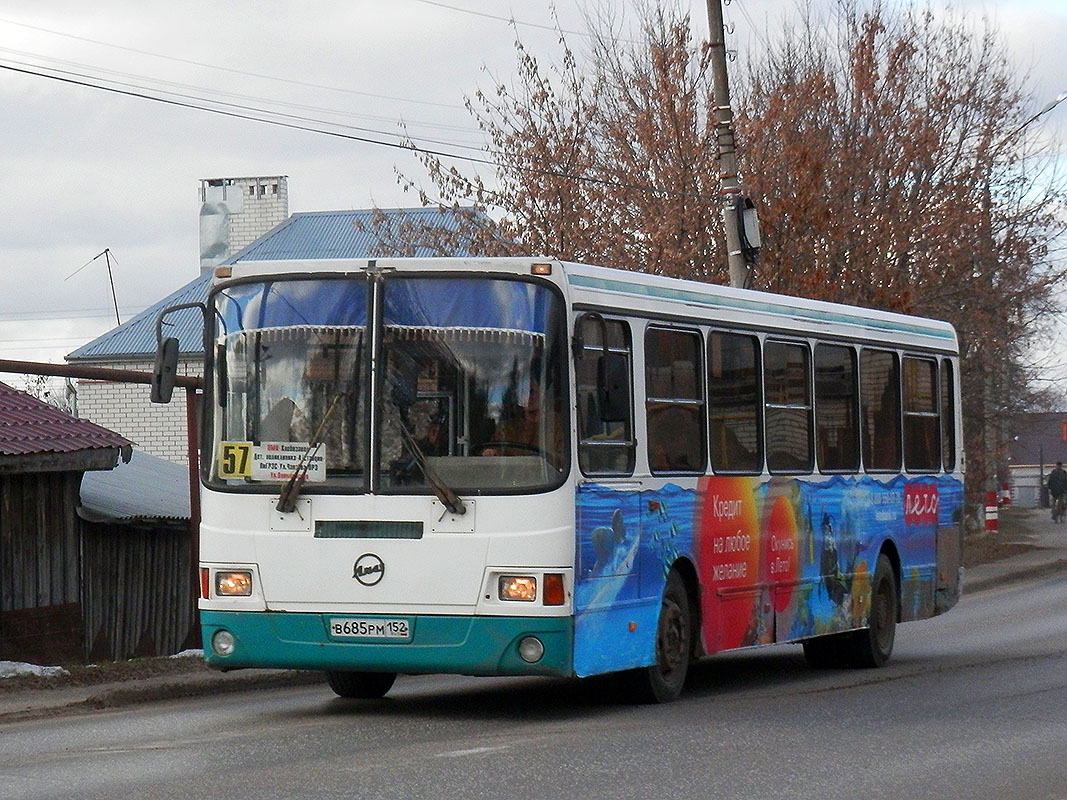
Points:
point(368, 569)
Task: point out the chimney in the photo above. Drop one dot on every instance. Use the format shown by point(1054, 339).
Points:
point(234, 212)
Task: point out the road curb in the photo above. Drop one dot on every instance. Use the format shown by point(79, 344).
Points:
point(1009, 577)
point(113, 697)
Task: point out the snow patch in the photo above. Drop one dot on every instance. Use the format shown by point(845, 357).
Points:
point(188, 654)
point(11, 669)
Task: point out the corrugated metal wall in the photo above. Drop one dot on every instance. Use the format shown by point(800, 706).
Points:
point(137, 596)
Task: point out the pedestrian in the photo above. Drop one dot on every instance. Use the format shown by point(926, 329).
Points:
point(1057, 489)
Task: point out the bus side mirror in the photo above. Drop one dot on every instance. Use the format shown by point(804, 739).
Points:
point(613, 387)
point(166, 370)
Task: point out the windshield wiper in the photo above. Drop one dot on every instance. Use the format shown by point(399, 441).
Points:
point(449, 499)
point(291, 490)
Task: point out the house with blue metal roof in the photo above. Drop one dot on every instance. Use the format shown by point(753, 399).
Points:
point(161, 429)
point(306, 235)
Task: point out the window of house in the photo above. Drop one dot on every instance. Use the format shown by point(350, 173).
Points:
point(880, 406)
point(788, 412)
point(605, 447)
point(734, 402)
point(922, 434)
point(837, 445)
point(674, 405)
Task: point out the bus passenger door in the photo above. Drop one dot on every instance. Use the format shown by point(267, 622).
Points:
point(610, 620)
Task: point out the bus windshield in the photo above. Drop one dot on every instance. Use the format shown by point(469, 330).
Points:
point(468, 388)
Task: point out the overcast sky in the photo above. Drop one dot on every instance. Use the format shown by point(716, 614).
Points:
point(82, 170)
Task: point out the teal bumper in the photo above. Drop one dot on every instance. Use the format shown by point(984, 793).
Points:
point(453, 644)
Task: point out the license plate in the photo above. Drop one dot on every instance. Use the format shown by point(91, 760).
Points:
point(370, 629)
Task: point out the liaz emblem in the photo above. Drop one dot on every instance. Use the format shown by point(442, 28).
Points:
point(368, 569)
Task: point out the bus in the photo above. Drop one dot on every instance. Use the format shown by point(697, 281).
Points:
point(522, 466)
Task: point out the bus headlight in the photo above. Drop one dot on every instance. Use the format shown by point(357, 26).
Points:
point(518, 587)
point(233, 584)
point(531, 649)
point(223, 643)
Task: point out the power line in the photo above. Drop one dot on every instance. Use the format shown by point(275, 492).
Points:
point(59, 315)
point(509, 20)
point(246, 113)
point(48, 62)
point(219, 106)
point(512, 21)
point(108, 84)
point(230, 70)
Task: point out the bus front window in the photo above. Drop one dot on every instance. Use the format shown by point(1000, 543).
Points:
point(289, 376)
point(457, 381)
point(474, 370)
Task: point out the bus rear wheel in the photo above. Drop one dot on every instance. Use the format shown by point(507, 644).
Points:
point(360, 685)
point(663, 681)
point(872, 646)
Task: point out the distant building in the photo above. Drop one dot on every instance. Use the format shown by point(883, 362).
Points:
point(232, 210)
point(1036, 442)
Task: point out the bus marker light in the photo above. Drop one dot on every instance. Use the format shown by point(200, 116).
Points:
point(223, 643)
point(633, 627)
point(233, 584)
point(531, 650)
point(205, 583)
point(541, 269)
point(518, 587)
point(553, 589)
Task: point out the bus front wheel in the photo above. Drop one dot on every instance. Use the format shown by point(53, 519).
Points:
point(361, 685)
point(663, 681)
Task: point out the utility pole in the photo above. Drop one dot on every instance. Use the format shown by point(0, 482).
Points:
point(738, 212)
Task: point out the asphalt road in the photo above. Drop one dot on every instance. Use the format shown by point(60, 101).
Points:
point(974, 704)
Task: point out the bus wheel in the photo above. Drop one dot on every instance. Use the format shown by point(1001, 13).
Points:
point(872, 646)
point(663, 681)
point(361, 685)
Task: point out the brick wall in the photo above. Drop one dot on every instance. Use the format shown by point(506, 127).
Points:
point(266, 204)
point(126, 408)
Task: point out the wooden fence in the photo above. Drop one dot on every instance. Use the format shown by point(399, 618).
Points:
point(137, 593)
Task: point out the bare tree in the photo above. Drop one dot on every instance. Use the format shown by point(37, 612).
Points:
point(893, 158)
point(888, 150)
point(609, 159)
point(44, 389)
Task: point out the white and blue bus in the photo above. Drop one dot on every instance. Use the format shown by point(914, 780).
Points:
point(529, 467)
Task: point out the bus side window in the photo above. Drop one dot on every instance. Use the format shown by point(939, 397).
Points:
point(837, 445)
point(674, 402)
point(880, 404)
point(605, 446)
point(948, 417)
point(922, 435)
point(788, 414)
point(734, 401)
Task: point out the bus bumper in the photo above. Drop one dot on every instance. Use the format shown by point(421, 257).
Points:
point(447, 644)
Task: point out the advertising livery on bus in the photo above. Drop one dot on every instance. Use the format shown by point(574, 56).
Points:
point(529, 467)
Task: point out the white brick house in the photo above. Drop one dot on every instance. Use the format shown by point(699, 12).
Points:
point(234, 212)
